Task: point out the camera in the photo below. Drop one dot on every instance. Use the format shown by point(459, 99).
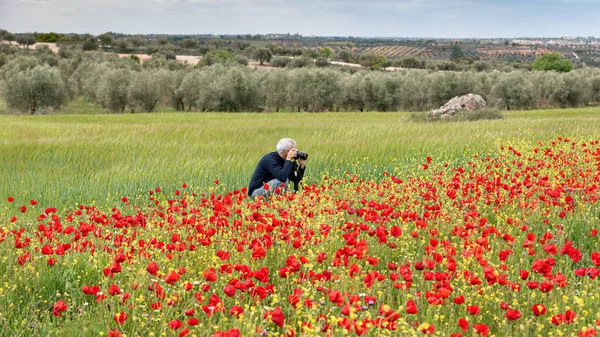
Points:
point(301, 155)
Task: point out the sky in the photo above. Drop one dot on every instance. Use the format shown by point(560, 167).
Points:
point(365, 18)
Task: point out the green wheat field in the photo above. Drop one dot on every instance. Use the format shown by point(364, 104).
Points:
point(62, 160)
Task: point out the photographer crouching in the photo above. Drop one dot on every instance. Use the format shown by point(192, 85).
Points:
point(277, 169)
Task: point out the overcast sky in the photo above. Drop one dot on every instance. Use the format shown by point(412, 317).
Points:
point(402, 18)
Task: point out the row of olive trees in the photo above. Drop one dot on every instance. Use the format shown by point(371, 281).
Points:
point(221, 88)
point(31, 84)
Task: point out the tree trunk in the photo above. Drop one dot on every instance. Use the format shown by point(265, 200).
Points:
point(152, 106)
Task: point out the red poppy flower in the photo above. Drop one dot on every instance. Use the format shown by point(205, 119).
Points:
point(411, 307)
point(59, 307)
point(210, 275)
point(172, 277)
point(114, 290)
point(120, 318)
point(236, 311)
point(512, 314)
point(175, 324)
point(228, 333)
point(539, 309)
point(276, 316)
point(473, 309)
point(152, 268)
point(229, 290)
point(482, 329)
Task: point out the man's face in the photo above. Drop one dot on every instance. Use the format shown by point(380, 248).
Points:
point(285, 153)
point(288, 151)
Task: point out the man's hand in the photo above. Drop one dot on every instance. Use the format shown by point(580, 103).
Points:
point(291, 154)
point(302, 162)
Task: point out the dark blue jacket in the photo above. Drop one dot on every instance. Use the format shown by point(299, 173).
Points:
point(272, 166)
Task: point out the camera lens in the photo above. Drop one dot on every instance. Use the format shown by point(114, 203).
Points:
point(301, 155)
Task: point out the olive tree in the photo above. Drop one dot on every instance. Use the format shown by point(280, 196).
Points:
point(351, 98)
point(378, 92)
point(18, 64)
point(515, 90)
point(169, 81)
point(595, 88)
point(106, 39)
point(274, 89)
point(144, 91)
point(263, 55)
point(415, 91)
point(190, 89)
point(239, 90)
point(113, 89)
point(190, 43)
point(89, 44)
point(447, 85)
point(314, 90)
point(26, 40)
point(280, 62)
point(136, 41)
point(301, 62)
point(33, 89)
point(572, 90)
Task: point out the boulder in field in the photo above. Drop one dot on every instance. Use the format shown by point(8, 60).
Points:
point(470, 102)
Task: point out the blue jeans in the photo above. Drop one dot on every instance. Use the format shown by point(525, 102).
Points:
point(273, 184)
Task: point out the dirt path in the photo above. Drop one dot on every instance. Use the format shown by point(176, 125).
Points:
point(52, 46)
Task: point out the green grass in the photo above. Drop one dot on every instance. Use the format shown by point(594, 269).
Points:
point(77, 106)
point(66, 159)
point(81, 106)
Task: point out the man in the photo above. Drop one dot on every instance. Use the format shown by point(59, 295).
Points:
point(276, 169)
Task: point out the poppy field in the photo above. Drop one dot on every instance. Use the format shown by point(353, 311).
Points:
point(500, 240)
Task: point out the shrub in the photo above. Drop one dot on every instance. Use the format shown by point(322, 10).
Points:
point(35, 89)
